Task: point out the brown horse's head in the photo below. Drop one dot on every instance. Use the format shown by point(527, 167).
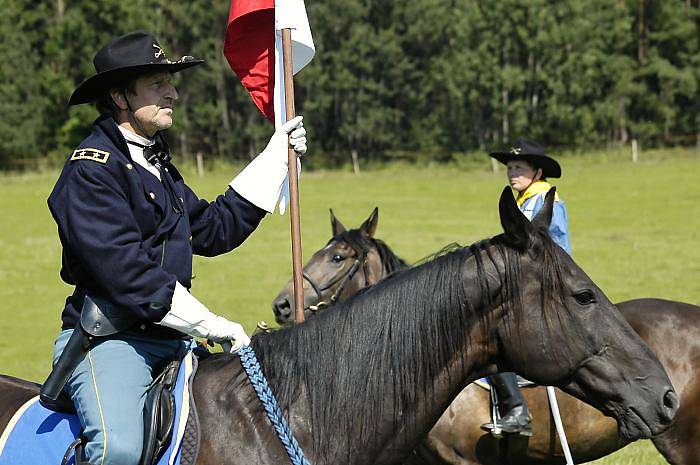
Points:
point(586, 346)
point(351, 260)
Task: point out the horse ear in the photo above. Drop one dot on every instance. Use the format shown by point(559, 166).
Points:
point(516, 226)
point(336, 226)
point(544, 216)
point(369, 227)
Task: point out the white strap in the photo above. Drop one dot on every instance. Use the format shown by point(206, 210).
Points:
point(560, 427)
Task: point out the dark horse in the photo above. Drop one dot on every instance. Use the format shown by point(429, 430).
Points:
point(671, 329)
point(361, 386)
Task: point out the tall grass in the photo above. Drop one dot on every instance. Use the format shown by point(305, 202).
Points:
point(634, 230)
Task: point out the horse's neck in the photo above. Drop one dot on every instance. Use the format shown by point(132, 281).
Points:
point(430, 406)
point(465, 366)
point(432, 396)
point(377, 270)
point(387, 262)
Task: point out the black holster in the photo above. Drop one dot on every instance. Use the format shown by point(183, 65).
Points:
point(96, 323)
point(74, 352)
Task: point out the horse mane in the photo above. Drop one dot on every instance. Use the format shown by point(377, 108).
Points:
point(551, 289)
point(390, 262)
point(401, 347)
point(391, 338)
point(451, 247)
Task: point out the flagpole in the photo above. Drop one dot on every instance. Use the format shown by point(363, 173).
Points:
point(293, 178)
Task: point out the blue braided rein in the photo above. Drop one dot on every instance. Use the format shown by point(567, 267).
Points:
point(267, 398)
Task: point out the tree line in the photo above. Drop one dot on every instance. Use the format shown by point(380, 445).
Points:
point(391, 78)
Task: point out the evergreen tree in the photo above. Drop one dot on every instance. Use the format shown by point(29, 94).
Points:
point(390, 78)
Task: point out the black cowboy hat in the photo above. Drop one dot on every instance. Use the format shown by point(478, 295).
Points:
point(123, 58)
point(533, 153)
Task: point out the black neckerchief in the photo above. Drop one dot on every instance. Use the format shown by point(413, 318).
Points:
point(159, 156)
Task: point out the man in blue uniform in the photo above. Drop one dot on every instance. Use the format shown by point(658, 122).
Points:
point(528, 168)
point(129, 226)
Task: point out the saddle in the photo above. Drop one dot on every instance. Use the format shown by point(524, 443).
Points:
point(158, 417)
point(98, 322)
point(159, 414)
point(37, 435)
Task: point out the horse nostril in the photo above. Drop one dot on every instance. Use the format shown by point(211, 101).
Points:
point(282, 308)
point(671, 399)
point(671, 403)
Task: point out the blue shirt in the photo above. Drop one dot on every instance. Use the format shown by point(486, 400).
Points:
point(559, 227)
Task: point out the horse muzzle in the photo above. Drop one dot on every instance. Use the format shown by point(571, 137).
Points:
point(639, 423)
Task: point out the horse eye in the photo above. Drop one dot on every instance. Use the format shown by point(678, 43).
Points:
point(585, 297)
point(337, 258)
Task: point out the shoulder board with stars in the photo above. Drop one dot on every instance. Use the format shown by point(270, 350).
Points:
point(99, 156)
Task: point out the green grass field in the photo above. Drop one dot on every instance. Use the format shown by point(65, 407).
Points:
point(634, 229)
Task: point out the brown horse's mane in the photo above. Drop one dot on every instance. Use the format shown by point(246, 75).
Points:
point(389, 261)
point(396, 335)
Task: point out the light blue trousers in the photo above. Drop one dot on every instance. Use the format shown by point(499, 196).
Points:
point(109, 390)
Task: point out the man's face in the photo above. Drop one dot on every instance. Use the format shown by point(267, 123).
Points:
point(521, 174)
point(152, 103)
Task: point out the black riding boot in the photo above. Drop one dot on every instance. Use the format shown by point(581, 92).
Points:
point(515, 417)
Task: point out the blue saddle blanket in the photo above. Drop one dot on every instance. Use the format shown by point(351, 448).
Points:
point(36, 435)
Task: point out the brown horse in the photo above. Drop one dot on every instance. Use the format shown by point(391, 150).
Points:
point(359, 386)
point(350, 261)
point(671, 329)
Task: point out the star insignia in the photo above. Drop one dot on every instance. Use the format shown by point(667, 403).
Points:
point(97, 155)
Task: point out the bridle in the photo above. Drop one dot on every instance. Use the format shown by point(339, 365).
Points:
point(344, 278)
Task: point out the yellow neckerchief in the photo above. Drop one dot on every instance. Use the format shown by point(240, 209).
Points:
point(536, 188)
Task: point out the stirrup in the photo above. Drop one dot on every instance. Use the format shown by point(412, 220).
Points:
point(75, 449)
point(497, 431)
point(494, 429)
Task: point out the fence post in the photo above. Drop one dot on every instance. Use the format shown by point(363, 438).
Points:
point(200, 164)
point(635, 151)
point(355, 163)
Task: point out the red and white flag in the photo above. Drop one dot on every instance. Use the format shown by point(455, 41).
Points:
point(253, 48)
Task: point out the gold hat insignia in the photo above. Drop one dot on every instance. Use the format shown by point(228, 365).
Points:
point(159, 51)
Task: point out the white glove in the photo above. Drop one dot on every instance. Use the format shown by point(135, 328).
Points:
point(297, 136)
point(262, 180)
point(188, 315)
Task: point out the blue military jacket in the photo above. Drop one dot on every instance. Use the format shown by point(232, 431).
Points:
point(123, 238)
